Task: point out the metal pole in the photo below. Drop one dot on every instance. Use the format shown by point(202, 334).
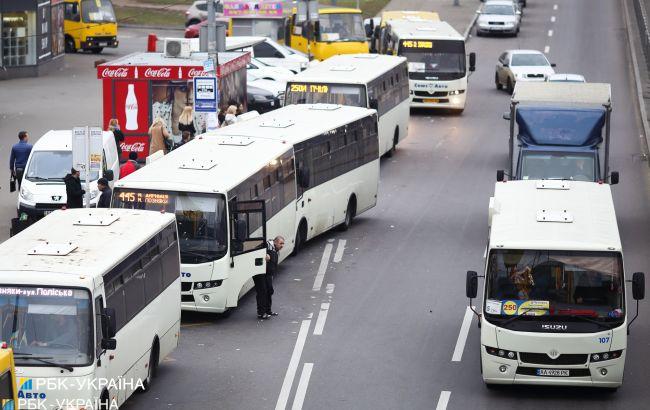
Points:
point(87, 166)
point(359, 6)
point(212, 34)
point(511, 148)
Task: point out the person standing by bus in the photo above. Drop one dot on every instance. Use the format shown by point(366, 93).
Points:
point(106, 192)
point(160, 139)
point(19, 155)
point(272, 257)
point(114, 127)
point(73, 190)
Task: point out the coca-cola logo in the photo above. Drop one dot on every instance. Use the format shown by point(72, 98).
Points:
point(196, 73)
point(121, 72)
point(163, 72)
point(133, 147)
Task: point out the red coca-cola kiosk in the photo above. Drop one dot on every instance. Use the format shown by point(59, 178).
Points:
point(139, 87)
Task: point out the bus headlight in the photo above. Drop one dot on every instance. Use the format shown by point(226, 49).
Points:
point(601, 357)
point(505, 354)
point(207, 284)
point(456, 92)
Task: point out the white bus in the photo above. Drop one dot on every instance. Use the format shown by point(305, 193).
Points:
point(437, 63)
point(296, 171)
point(554, 310)
point(90, 304)
point(360, 80)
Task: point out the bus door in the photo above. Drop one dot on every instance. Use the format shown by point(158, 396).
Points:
point(247, 245)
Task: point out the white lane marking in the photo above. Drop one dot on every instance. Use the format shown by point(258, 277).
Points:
point(443, 400)
point(329, 288)
point(322, 317)
point(338, 255)
point(555, 7)
point(293, 365)
point(302, 386)
point(550, 33)
point(553, 19)
point(547, 49)
point(462, 335)
point(318, 282)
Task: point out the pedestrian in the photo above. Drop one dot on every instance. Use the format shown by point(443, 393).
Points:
point(231, 116)
point(19, 156)
point(130, 166)
point(73, 190)
point(186, 121)
point(105, 197)
point(264, 282)
point(159, 137)
point(114, 126)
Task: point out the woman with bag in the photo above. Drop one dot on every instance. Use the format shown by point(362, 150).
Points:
point(159, 137)
point(186, 121)
point(114, 127)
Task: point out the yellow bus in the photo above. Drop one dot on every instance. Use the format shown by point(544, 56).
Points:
point(89, 25)
point(8, 392)
point(375, 32)
point(338, 31)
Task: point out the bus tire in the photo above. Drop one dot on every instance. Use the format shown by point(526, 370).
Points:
point(301, 238)
point(391, 151)
point(69, 45)
point(154, 359)
point(96, 50)
point(350, 213)
point(104, 401)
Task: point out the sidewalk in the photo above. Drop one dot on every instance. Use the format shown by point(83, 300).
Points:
point(460, 17)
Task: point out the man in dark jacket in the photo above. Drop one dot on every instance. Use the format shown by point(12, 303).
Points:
point(264, 282)
point(73, 190)
point(105, 197)
point(19, 155)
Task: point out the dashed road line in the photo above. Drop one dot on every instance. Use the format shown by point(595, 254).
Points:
point(301, 392)
point(547, 49)
point(555, 7)
point(443, 400)
point(293, 366)
point(322, 317)
point(553, 19)
point(462, 336)
point(550, 33)
point(329, 289)
point(318, 282)
point(338, 255)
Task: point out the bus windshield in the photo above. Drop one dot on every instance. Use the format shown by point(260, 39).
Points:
point(434, 59)
point(54, 324)
point(312, 93)
point(201, 219)
point(52, 166)
point(544, 284)
point(558, 165)
point(97, 11)
point(341, 27)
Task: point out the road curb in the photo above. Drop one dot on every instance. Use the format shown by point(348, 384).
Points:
point(637, 77)
point(469, 27)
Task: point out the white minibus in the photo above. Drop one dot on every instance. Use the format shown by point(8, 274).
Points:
point(296, 171)
point(90, 305)
point(554, 310)
point(437, 64)
point(361, 80)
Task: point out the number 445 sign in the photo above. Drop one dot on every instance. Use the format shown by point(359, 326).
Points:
point(206, 94)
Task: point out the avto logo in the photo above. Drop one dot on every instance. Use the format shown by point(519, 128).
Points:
point(25, 389)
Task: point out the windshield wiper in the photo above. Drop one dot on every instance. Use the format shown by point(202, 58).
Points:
point(518, 316)
point(43, 359)
point(587, 319)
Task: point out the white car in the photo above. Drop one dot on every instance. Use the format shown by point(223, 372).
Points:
point(498, 17)
point(269, 52)
point(277, 88)
point(262, 70)
point(566, 78)
point(198, 11)
point(521, 65)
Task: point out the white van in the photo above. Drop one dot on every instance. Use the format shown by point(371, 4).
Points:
point(43, 190)
point(269, 52)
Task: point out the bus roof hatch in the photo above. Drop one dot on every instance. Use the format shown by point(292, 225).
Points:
point(52, 249)
point(554, 215)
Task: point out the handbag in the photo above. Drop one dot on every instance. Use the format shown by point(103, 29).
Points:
point(12, 184)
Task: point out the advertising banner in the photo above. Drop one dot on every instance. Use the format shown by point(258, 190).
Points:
point(252, 8)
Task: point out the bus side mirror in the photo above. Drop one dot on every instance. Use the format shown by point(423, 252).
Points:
point(472, 61)
point(374, 104)
point(109, 323)
point(241, 230)
point(109, 344)
point(638, 286)
point(471, 284)
point(108, 174)
point(303, 178)
point(501, 175)
point(613, 178)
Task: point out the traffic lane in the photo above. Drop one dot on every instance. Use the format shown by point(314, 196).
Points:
point(236, 361)
point(598, 25)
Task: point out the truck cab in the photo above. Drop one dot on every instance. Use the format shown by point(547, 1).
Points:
point(89, 25)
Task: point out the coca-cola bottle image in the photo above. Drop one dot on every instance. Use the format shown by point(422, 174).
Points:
point(131, 109)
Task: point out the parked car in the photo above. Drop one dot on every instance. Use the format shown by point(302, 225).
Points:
point(567, 78)
point(276, 88)
point(198, 11)
point(262, 70)
point(269, 52)
point(498, 17)
point(521, 65)
point(194, 30)
point(261, 100)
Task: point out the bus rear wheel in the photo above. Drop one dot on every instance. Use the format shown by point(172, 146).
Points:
point(301, 237)
point(349, 214)
point(154, 359)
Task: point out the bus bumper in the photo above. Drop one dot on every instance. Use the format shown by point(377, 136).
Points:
point(212, 300)
point(497, 370)
point(453, 102)
point(96, 42)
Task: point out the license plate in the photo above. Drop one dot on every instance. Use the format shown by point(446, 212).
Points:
point(103, 44)
point(431, 100)
point(553, 372)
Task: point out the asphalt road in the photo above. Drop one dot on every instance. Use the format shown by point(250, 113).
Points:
point(394, 284)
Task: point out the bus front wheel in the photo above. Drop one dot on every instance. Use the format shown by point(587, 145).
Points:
point(69, 45)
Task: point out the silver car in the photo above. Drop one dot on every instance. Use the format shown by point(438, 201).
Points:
point(198, 11)
point(498, 17)
point(521, 65)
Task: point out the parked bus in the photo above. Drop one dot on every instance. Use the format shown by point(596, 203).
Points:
point(90, 305)
point(338, 31)
point(554, 310)
point(362, 80)
point(89, 25)
point(297, 171)
point(436, 59)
